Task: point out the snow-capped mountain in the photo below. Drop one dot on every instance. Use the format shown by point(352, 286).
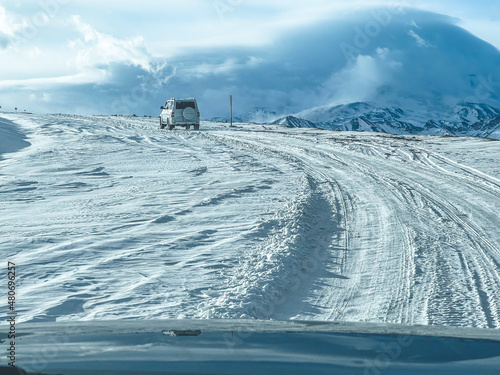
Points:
point(294, 122)
point(465, 119)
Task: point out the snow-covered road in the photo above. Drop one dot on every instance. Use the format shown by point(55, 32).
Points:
point(109, 217)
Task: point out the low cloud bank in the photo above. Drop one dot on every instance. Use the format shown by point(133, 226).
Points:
point(392, 56)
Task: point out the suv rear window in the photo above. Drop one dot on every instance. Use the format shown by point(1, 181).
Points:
point(184, 105)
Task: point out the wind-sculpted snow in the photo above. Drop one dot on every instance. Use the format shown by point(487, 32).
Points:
point(110, 217)
point(11, 139)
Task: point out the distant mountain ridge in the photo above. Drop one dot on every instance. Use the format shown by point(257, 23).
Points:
point(465, 119)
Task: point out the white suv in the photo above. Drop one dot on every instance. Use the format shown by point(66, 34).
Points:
point(180, 112)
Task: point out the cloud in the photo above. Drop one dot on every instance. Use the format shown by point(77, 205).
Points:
point(230, 67)
point(361, 80)
point(126, 89)
point(287, 72)
point(107, 75)
point(8, 23)
point(97, 49)
point(10, 26)
point(53, 82)
point(485, 29)
point(420, 42)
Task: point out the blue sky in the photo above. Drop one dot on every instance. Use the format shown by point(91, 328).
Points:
point(56, 55)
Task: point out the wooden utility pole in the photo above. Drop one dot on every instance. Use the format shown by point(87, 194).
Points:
point(231, 106)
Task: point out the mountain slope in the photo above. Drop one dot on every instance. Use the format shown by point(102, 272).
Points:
point(466, 119)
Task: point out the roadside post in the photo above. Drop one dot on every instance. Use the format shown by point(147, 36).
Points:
point(231, 108)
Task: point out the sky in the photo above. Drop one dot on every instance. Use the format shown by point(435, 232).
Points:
point(105, 57)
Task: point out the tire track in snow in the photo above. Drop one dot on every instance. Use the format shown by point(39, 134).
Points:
point(423, 277)
point(484, 280)
point(481, 280)
point(398, 236)
point(376, 220)
point(473, 178)
point(481, 277)
point(360, 219)
point(316, 162)
point(311, 222)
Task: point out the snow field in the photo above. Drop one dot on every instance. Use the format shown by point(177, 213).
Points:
point(109, 217)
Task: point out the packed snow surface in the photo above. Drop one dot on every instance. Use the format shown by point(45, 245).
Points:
point(113, 218)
